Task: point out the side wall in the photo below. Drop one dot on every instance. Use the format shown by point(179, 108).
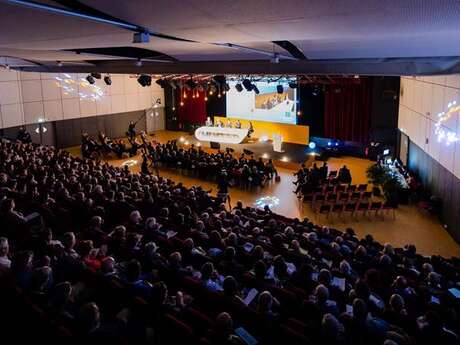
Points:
point(26, 97)
point(437, 161)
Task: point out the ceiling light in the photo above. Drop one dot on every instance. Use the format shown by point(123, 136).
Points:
point(247, 84)
point(144, 80)
point(161, 82)
point(59, 63)
point(107, 80)
point(139, 63)
point(90, 79)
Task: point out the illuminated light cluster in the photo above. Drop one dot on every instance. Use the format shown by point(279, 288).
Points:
point(269, 201)
point(87, 91)
point(443, 133)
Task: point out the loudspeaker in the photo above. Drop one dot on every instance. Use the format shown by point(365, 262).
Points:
point(215, 145)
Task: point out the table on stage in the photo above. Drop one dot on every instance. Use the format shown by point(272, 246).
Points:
point(224, 135)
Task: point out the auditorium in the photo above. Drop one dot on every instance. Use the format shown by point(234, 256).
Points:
point(230, 172)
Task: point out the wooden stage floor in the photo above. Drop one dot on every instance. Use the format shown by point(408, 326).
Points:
point(411, 225)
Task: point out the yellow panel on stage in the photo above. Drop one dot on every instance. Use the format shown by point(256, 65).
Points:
point(291, 133)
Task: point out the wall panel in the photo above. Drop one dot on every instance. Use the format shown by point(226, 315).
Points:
point(26, 96)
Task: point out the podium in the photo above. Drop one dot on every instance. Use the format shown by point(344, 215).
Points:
point(277, 143)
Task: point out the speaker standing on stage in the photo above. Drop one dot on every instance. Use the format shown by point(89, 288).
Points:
point(250, 129)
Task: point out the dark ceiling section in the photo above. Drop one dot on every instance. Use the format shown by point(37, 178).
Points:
point(396, 67)
point(83, 8)
point(126, 52)
point(291, 49)
point(77, 6)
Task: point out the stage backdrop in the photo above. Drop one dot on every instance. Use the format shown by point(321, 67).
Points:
point(193, 110)
point(347, 111)
point(294, 134)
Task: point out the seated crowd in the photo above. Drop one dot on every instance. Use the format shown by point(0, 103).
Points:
point(308, 180)
point(90, 148)
point(241, 171)
point(133, 258)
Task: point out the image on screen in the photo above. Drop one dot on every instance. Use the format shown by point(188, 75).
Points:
point(268, 105)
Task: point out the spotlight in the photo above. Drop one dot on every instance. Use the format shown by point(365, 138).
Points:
point(312, 145)
point(96, 75)
point(255, 89)
point(226, 87)
point(329, 143)
point(59, 63)
point(238, 87)
point(144, 80)
point(285, 159)
point(190, 83)
point(161, 82)
point(247, 84)
point(107, 80)
point(172, 84)
point(90, 79)
point(279, 88)
point(293, 85)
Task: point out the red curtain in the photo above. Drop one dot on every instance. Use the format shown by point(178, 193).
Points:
point(347, 111)
point(192, 107)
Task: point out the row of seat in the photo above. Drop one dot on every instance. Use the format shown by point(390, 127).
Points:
point(366, 208)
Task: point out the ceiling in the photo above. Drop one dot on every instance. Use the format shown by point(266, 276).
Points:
point(386, 37)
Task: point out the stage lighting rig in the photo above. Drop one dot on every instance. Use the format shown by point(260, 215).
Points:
point(255, 89)
point(293, 85)
point(90, 79)
point(239, 87)
point(161, 82)
point(107, 80)
point(279, 88)
point(144, 80)
point(247, 85)
point(96, 75)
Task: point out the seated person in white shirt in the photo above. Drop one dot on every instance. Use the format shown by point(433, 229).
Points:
point(5, 262)
point(238, 124)
point(208, 122)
